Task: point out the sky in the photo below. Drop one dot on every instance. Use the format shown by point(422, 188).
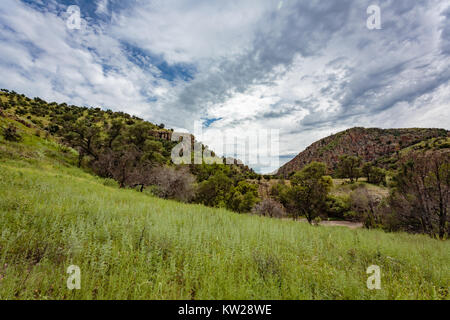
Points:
point(301, 70)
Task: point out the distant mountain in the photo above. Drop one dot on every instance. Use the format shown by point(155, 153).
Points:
point(380, 145)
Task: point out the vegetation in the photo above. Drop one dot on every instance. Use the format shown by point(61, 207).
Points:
point(269, 208)
point(349, 167)
point(374, 174)
point(10, 134)
point(421, 198)
point(220, 191)
point(307, 193)
point(130, 245)
point(133, 152)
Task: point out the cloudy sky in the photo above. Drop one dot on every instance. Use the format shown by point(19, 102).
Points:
point(303, 68)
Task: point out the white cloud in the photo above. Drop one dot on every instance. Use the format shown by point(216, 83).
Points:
point(102, 7)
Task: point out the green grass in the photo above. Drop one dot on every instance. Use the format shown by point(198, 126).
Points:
point(133, 246)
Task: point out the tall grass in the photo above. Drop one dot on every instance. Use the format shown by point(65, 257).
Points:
point(132, 246)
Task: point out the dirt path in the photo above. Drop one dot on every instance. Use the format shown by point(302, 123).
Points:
point(347, 224)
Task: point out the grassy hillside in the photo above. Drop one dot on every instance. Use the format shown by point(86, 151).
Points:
point(130, 245)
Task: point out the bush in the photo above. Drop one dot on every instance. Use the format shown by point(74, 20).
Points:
point(10, 134)
point(269, 208)
point(317, 221)
point(367, 207)
point(214, 191)
point(338, 207)
point(243, 197)
point(171, 183)
point(110, 183)
point(378, 176)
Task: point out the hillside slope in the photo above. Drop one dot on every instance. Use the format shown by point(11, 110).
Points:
point(369, 144)
point(95, 131)
point(130, 245)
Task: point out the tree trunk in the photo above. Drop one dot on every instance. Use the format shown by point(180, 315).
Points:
point(80, 159)
point(442, 226)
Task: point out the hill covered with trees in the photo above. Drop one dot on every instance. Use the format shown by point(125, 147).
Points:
point(131, 151)
point(380, 146)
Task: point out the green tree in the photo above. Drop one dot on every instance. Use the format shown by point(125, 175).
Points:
point(378, 176)
point(421, 199)
point(374, 174)
point(349, 167)
point(309, 191)
point(243, 197)
point(214, 191)
point(84, 136)
point(367, 170)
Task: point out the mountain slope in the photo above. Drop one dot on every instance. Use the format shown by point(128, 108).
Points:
point(369, 144)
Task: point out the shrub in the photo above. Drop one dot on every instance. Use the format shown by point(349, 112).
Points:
point(243, 197)
point(338, 207)
point(367, 207)
point(214, 191)
point(171, 183)
point(10, 133)
point(110, 183)
point(378, 176)
point(317, 221)
point(269, 208)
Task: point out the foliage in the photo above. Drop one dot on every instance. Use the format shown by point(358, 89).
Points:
point(269, 208)
point(421, 198)
point(218, 191)
point(374, 174)
point(173, 183)
point(308, 194)
point(10, 134)
point(214, 191)
point(338, 207)
point(367, 205)
point(349, 167)
point(243, 197)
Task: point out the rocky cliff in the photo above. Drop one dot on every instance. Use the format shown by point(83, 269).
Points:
point(369, 144)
